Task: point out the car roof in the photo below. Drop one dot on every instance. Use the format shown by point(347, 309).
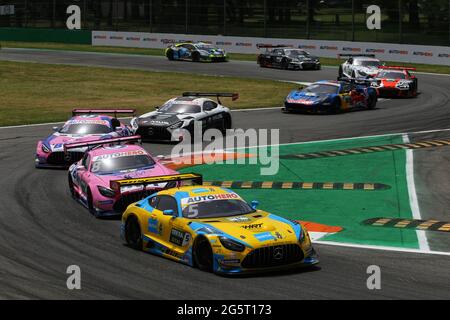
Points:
point(106, 150)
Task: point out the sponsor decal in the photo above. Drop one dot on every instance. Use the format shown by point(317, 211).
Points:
point(120, 154)
point(173, 253)
point(369, 50)
point(264, 236)
point(86, 121)
point(252, 226)
point(153, 225)
point(243, 44)
point(423, 53)
point(239, 219)
point(231, 261)
point(167, 41)
point(133, 39)
point(150, 39)
point(351, 49)
point(101, 37)
point(304, 46)
point(395, 51)
point(210, 197)
point(444, 55)
point(224, 43)
point(115, 38)
point(179, 237)
point(329, 48)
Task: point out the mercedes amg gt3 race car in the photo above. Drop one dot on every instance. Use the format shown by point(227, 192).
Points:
point(104, 162)
point(332, 97)
point(359, 66)
point(213, 229)
point(287, 58)
point(394, 81)
point(85, 125)
point(196, 52)
point(167, 122)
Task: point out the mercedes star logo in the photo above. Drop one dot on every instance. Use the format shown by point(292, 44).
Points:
point(278, 253)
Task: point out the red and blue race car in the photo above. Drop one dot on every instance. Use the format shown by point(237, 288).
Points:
point(85, 125)
point(332, 97)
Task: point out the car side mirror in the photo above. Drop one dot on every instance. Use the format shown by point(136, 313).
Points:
point(55, 129)
point(254, 204)
point(156, 108)
point(168, 212)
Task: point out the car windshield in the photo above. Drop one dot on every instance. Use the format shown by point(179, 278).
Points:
point(216, 209)
point(367, 63)
point(296, 53)
point(321, 88)
point(110, 165)
point(85, 128)
point(391, 75)
point(180, 108)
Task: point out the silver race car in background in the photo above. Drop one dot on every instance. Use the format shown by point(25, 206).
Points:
point(359, 66)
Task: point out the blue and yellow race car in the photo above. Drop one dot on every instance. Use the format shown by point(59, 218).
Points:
point(212, 228)
point(332, 97)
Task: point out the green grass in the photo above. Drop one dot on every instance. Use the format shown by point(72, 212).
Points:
point(160, 52)
point(37, 93)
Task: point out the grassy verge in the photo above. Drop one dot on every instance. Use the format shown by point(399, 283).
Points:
point(36, 93)
point(160, 52)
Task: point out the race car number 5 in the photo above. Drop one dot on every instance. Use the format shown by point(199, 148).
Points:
point(246, 309)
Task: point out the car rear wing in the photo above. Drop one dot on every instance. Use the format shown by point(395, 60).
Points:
point(95, 143)
point(103, 111)
point(350, 55)
point(397, 68)
point(234, 96)
point(194, 178)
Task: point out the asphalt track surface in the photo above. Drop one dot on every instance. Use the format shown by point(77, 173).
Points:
point(43, 230)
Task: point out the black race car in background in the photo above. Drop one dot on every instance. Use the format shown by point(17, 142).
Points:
point(166, 122)
point(287, 58)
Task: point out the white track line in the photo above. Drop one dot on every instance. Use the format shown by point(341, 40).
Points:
point(384, 248)
point(414, 203)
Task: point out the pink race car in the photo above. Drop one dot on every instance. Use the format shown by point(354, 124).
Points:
point(92, 179)
point(85, 125)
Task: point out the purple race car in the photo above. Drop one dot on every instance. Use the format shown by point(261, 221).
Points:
point(85, 125)
point(92, 179)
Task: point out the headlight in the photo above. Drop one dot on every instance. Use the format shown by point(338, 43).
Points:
point(106, 192)
point(44, 148)
point(231, 244)
point(176, 125)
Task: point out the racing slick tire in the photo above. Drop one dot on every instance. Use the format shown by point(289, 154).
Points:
point(285, 64)
point(203, 255)
point(336, 106)
point(341, 72)
point(133, 235)
point(90, 204)
point(196, 56)
point(169, 55)
point(372, 101)
point(71, 188)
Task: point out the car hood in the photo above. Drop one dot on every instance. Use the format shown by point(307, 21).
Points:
point(255, 229)
point(57, 140)
point(305, 97)
point(161, 119)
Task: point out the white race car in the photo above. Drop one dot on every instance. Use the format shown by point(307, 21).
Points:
point(181, 113)
point(359, 66)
